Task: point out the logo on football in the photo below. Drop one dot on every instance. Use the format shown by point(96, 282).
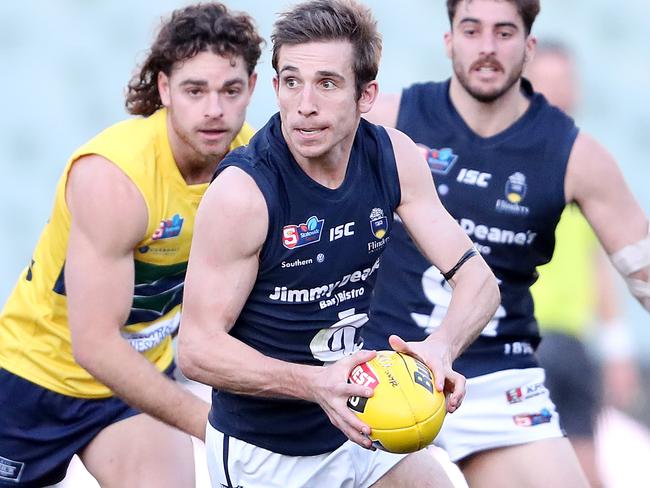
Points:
point(406, 411)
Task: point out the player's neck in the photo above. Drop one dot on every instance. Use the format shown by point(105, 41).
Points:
point(328, 168)
point(195, 174)
point(194, 168)
point(488, 119)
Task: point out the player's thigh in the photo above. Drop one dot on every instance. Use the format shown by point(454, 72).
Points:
point(140, 451)
point(419, 469)
point(538, 464)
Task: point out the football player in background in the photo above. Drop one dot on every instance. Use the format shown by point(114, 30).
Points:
point(506, 163)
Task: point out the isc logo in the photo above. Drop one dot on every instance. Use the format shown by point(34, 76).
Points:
point(473, 177)
point(343, 230)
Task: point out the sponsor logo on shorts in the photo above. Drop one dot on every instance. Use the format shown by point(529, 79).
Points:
point(168, 228)
point(439, 160)
point(294, 236)
point(518, 395)
point(11, 470)
point(532, 419)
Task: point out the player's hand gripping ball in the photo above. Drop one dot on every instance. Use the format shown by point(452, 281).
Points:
point(406, 411)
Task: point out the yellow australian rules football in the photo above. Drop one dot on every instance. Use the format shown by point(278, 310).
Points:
point(406, 411)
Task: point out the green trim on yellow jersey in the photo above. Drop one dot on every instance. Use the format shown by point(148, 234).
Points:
point(34, 334)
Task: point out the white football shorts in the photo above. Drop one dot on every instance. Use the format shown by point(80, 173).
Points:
point(233, 463)
point(500, 409)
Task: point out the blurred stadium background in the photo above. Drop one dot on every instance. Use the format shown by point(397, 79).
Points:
point(66, 63)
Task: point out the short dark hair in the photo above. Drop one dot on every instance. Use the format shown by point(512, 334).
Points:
point(527, 9)
point(189, 31)
point(329, 20)
point(553, 46)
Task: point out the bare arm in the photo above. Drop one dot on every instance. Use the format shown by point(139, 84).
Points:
point(475, 294)
point(221, 273)
point(109, 218)
point(385, 109)
point(596, 184)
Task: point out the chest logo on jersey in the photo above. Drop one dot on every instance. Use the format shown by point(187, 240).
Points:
point(472, 177)
point(168, 228)
point(515, 192)
point(439, 160)
point(343, 230)
point(378, 223)
point(379, 228)
point(294, 236)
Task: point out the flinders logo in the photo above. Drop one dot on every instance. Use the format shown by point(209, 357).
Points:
point(515, 192)
point(379, 228)
point(378, 223)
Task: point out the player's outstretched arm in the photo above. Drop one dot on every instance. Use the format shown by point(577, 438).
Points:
point(221, 273)
point(475, 294)
point(595, 183)
point(109, 218)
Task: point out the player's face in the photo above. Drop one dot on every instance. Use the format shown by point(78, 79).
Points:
point(488, 47)
point(206, 97)
point(316, 93)
point(553, 75)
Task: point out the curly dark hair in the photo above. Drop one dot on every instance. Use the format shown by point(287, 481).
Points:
point(189, 31)
point(331, 20)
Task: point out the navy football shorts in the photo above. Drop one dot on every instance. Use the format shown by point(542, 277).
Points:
point(41, 430)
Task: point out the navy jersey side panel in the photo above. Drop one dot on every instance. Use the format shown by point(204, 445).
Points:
point(315, 279)
point(507, 194)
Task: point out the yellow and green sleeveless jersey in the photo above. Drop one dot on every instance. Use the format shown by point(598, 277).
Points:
point(565, 294)
point(34, 334)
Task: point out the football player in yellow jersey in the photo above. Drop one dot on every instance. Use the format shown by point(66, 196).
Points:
point(86, 334)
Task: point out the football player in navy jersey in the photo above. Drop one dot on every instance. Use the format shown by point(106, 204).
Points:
point(288, 243)
point(505, 163)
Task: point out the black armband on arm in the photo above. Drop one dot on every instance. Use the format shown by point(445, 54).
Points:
point(468, 254)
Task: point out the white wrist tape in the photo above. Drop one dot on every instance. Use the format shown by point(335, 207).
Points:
point(631, 259)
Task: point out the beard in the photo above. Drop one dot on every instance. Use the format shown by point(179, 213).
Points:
point(201, 153)
point(487, 95)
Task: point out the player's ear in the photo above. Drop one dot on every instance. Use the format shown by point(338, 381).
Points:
point(531, 46)
point(163, 88)
point(448, 37)
point(368, 96)
point(276, 84)
point(252, 81)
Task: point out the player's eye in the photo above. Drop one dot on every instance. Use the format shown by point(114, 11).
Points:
point(328, 84)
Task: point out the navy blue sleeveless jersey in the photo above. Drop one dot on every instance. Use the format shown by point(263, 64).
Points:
point(317, 269)
point(507, 194)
